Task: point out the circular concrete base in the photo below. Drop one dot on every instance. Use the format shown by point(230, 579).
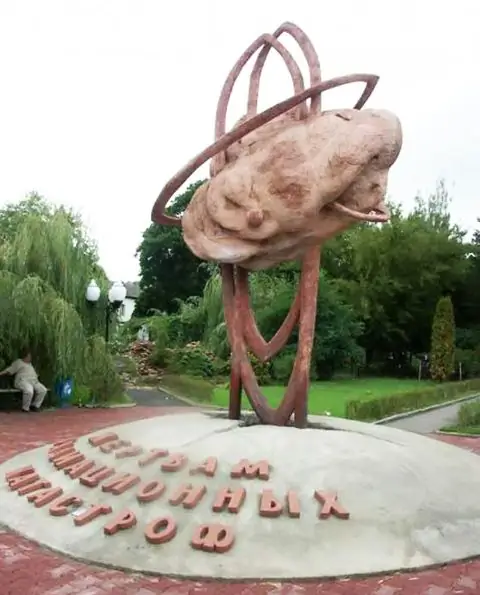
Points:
point(411, 501)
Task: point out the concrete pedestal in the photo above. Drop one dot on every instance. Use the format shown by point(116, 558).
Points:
point(402, 501)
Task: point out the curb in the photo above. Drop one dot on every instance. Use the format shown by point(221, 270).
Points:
point(460, 434)
point(426, 409)
point(187, 401)
point(112, 406)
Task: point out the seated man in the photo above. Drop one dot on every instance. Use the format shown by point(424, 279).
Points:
point(26, 380)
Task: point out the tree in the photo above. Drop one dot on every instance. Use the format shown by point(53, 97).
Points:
point(337, 326)
point(394, 275)
point(170, 273)
point(467, 296)
point(443, 341)
point(46, 262)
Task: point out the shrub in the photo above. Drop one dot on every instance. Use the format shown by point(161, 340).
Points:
point(262, 370)
point(469, 414)
point(192, 359)
point(385, 406)
point(221, 367)
point(442, 360)
point(82, 395)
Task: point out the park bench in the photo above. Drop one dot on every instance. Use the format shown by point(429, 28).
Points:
point(11, 397)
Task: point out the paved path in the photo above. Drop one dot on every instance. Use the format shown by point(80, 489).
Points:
point(153, 397)
point(430, 421)
point(27, 569)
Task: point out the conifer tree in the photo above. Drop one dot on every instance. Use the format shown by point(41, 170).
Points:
point(442, 352)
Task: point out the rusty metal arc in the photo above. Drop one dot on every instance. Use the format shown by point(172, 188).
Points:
point(172, 186)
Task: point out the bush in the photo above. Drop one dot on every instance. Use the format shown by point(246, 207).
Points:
point(469, 414)
point(282, 365)
point(409, 401)
point(81, 396)
point(192, 359)
point(262, 370)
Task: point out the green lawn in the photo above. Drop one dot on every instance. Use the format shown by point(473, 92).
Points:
point(332, 396)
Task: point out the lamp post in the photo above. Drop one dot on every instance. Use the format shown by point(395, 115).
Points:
point(116, 296)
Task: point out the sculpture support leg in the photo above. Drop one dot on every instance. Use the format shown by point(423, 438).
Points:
point(236, 305)
point(308, 313)
point(235, 402)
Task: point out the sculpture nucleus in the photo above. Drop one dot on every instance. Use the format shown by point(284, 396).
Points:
point(282, 183)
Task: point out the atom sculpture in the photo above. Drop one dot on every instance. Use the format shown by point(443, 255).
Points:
point(282, 183)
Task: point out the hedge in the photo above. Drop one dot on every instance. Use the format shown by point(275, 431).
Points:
point(409, 401)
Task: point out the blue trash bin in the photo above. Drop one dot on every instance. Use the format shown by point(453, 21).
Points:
point(64, 391)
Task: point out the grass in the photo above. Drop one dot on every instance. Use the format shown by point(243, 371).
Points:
point(472, 430)
point(191, 387)
point(123, 399)
point(332, 396)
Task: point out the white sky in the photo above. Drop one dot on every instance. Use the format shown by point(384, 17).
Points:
point(102, 101)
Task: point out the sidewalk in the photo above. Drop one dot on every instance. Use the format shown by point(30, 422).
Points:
point(154, 397)
point(428, 422)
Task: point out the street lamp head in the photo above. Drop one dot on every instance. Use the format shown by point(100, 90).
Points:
point(117, 293)
point(92, 294)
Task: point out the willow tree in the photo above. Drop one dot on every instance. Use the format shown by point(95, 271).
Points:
point(46, 262)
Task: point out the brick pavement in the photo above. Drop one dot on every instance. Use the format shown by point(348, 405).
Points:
point(28, 569)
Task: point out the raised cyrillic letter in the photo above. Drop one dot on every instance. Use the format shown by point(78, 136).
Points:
point(330, 506)
point(230, 499)
point(174, 463)
point(213, 538)
point(251, 470)
point(44, 497)
point(208, 467)
point(15, 483)
point(124, 520)
point(293, 505)
point(74, 471)
point(120, 483)
point(188, 495)
point(62, 506)
point(93, 477)
point(33, 487)
point(114, 445)
point(161, 530)
point(91, 514)
point(69, 459)
point(152, 456)
point(129, 451)
point(21, 472)
point(270, 507)
point(60, 452)
point(150, 491)
point(102, 439)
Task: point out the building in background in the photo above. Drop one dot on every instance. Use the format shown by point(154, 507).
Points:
point(126, 309)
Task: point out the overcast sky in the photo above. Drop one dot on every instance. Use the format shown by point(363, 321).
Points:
point(101, 101)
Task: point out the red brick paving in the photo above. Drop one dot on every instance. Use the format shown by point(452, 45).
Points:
point(28, 569)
